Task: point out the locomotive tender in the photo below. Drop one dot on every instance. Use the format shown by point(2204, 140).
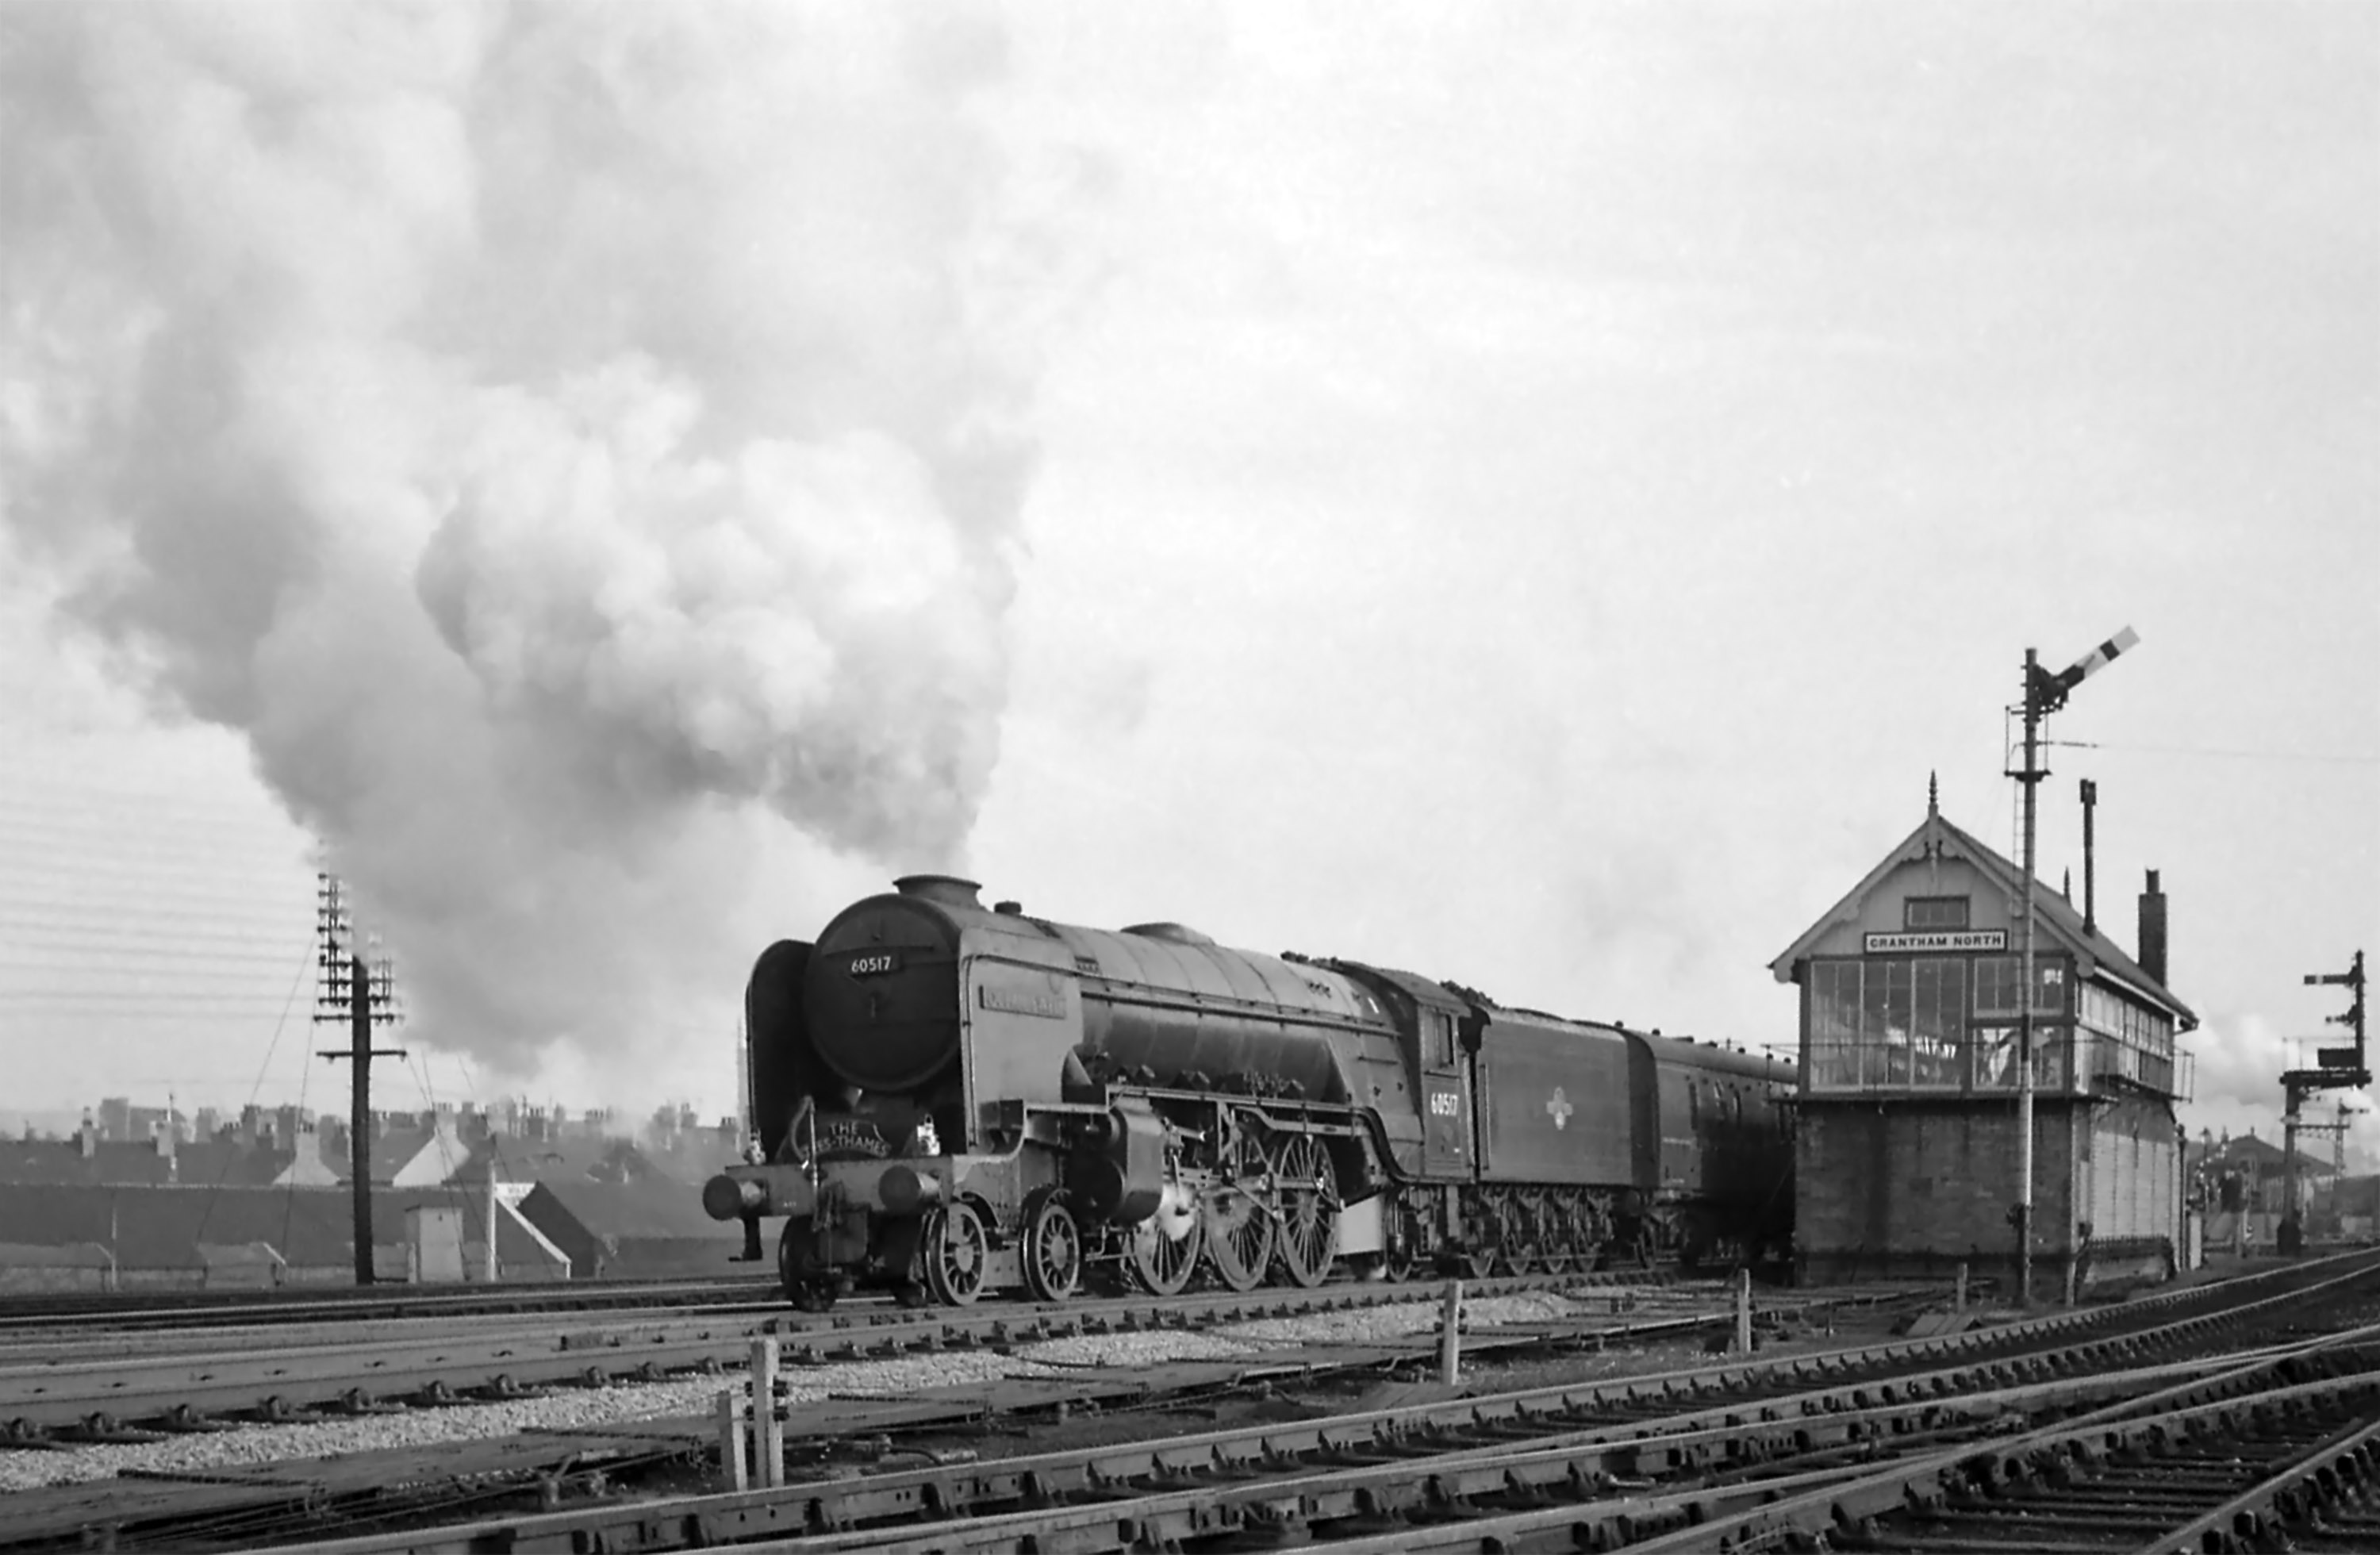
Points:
point(949, 1098)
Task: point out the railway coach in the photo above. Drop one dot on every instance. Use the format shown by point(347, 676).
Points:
point(949, 1098)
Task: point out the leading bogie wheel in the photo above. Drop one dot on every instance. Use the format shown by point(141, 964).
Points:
point(956, 1251)
point(1306, 1186)
point(808, 1285)
point(1052, 1246)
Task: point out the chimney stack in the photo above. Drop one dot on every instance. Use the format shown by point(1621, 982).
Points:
point(2153, 931)
point(89, 1136)
point(2090, 891)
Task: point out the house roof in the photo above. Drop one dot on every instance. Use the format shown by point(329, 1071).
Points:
point(329, 1159)
point(651, 1210)
point(693, 1157)
point(512, 1158)
point(129, 1163)
point(62, 1161)
point(152, 1227)
point(2056, 917)
point(2249, 1151)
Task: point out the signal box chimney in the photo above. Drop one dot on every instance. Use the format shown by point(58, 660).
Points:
point(2153, 931)
point(2090, 880)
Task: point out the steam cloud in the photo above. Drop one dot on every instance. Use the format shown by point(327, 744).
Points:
point(542, 429)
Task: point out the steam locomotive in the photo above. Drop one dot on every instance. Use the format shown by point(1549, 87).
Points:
point(950, 1099)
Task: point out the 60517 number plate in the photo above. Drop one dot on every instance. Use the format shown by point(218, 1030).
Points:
point(871, 964)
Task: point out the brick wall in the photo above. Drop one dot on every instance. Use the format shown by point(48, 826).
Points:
point(1917, 1187)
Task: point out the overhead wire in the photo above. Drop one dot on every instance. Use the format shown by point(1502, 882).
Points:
point(305, 965)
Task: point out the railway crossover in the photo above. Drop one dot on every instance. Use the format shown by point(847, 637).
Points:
point(76, 1388)
point(1816, 1452)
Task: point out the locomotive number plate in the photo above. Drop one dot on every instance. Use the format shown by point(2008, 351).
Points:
point(873, 964)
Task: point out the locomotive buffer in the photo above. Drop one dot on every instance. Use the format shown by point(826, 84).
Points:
point(2334, 1069)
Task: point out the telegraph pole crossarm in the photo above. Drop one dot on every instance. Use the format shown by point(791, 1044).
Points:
point(361, 996)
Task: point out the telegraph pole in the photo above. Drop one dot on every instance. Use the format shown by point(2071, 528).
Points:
point(2044, 694)
point(362, 995)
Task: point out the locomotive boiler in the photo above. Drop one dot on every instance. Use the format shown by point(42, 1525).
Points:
point(949, 1098)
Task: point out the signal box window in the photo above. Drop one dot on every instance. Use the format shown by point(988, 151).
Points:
point(1934, 912)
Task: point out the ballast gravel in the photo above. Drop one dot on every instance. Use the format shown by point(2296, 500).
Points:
point(248, 1446)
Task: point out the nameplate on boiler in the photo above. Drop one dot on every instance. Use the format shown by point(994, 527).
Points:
point(1049, 1005)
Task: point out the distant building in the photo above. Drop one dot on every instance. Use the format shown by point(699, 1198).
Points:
point(126, 1237)
point(405, 1153)
point(90, 1160)
point(2243, 1185)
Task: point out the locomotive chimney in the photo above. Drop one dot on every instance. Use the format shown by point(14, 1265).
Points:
point(2153, 931)
point(947, 890)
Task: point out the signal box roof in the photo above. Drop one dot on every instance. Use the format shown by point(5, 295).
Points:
point(2058, 921)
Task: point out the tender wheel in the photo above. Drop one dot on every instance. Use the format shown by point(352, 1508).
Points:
point(1239, 1215)
point(1053, 1246)
point(956, 1251)
point(1519, 1248)
point(1566, 1242)
point(1161, 1265)
point(1306, 1186)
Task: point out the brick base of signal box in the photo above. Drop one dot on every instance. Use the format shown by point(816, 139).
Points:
point(1913, 1187)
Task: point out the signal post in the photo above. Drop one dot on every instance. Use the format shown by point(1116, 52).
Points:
point(2044, 694)
point(2334, 1069)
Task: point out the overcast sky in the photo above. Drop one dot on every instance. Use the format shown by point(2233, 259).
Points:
point(1527, 494)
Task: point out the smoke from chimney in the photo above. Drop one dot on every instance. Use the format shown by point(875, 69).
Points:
point(545, 433)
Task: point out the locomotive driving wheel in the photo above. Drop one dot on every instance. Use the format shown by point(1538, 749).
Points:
point(1238, 1215)
point(1163, 1265)
point(954, 1249)
point(1053, 1246)
point(1306, 1186)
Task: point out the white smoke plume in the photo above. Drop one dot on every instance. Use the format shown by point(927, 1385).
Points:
point(543, 430)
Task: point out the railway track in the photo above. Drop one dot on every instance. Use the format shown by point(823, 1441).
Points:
point(2284, 1465)
point(124, 1312)
point(1593, 1465)
point(84, 1389)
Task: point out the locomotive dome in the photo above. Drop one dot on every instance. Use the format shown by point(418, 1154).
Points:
point(882, 991)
